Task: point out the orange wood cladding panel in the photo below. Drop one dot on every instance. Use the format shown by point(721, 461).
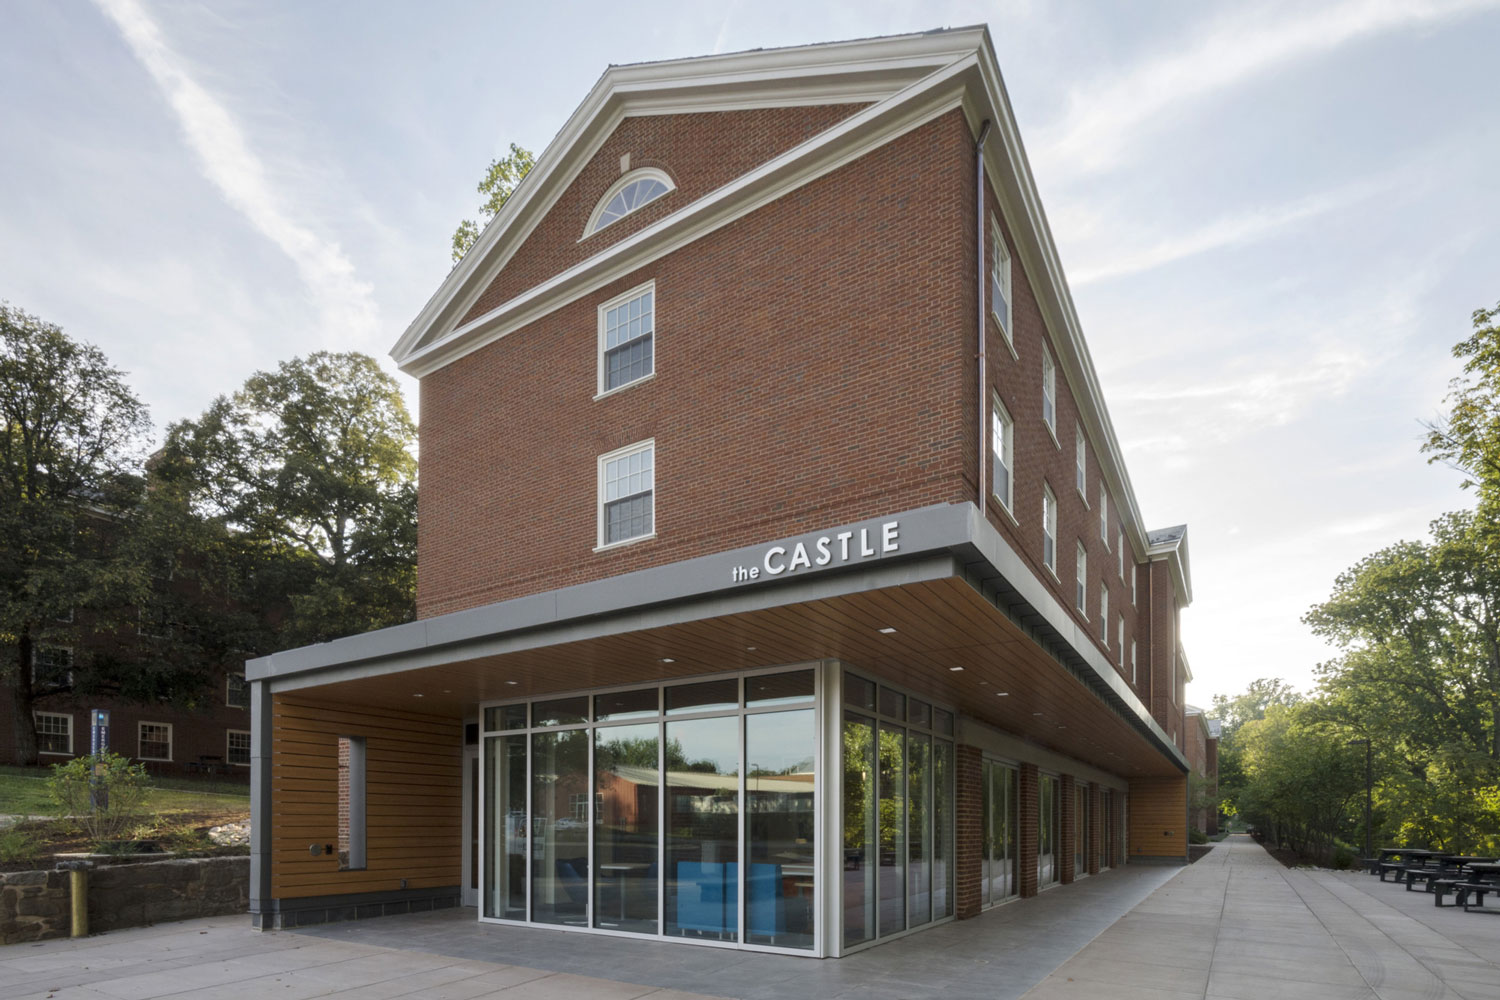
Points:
point(413, 797)
point(1158, 817)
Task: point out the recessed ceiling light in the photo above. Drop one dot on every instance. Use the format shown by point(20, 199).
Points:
point(887, 630)
point(1002, 694)
point(512, 683)
point(416, 696)
point(955, 669)
point(667, 659)
point(1036, 713)
point(447, 690)
point(749, 649)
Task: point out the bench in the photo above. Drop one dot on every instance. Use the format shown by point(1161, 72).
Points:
point(1386, 867)
point(1370, 865)
point(1440, 887)
point(1463, 890)
point(1424, 875)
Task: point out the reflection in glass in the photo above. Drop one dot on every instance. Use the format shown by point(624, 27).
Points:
point(999, 807)
point(779, 800)
point(892, 829)
point(918, 836)
point(942, 829)
point(859, 830)
point(626, 785)
point(787, 688)
point(505, 717)
point(710, 696)
point(560, 712)
point(505, 798)
point(1046, 851)
point(702, 876)
point(618, 705)
point(892, 703)
point(559, 826)
point(1106, 828)
point(1080, 830)
point(859, 692)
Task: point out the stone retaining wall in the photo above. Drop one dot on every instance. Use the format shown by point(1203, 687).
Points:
point(35, 906)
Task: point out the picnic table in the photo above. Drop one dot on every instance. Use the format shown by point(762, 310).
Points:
point(1481, 878)
point(1408, 855)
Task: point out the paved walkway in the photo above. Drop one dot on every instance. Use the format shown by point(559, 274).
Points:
point(1239, 925)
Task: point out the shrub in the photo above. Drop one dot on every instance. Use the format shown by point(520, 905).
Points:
point(18, 845)
point(123, 787)
point(1343, 858)
point(1197, 837)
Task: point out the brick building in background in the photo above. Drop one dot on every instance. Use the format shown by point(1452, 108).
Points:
point(1203, 759)
point(781, 583)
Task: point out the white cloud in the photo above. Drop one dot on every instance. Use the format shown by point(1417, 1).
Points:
point(229, 162)
point(1102, 118)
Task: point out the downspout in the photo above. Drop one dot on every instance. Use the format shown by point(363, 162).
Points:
point(984, 375)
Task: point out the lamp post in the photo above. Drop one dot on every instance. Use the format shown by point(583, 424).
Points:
point(1369, 785)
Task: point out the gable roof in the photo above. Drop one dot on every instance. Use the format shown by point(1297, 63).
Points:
point(904, 81)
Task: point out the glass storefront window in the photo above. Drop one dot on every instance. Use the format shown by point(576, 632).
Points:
point(505, 717)
point(893, 802)
point(505, 862)
point(1049, 806)
point(710, 696)
point(780, 749)
point(560, 826)
point(860, 797)
point(702, 835)
point(918, 831)
point(790, 688)
point(620, 705)
point(627, 788)
point(560, 712)
point(999, 811)
point(942, 830)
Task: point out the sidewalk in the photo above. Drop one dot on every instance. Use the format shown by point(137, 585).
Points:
point(1239, 926)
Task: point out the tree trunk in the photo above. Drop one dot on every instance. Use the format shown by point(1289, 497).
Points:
point(24, 720)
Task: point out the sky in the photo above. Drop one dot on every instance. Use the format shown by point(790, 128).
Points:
point(1276, 219)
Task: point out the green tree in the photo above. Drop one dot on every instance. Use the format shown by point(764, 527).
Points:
point(499, 181)
point(68, 455)
point(309, 471)
point(1302, 777)
point(1468, 438)
point(1233, 712)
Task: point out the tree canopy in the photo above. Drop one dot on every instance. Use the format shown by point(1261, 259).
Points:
point(499, 181)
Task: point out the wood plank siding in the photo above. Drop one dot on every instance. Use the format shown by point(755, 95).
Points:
point(1158, 817)
point(413, 797)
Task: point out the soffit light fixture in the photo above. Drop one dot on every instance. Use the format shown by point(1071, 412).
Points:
point(887, 630)
point(956, 669)
point(667, 659)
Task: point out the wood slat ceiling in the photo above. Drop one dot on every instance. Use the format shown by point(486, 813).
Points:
point(940, 625)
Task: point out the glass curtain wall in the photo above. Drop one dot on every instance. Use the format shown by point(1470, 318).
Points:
point(1080, 830)
point(1106, 827)
point(898, 811)
point(1000, 812)
point(1048, 827)
point(685, 810)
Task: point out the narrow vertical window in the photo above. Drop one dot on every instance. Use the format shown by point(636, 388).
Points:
point(1104, 612)
point(1080, 462)
point(1104, 516)
point(1132, 662)
point(1120, 638)
point(1120, 555)
point(1080, 588)
point(1135, 571)
point(351, 824)
point(1000, 283)
point(1049, 529)
point(1002, 454)
point(627, 333)
point(627, 494)
point(1049, 392)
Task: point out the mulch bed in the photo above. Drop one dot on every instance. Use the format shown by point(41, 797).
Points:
point(58, 838)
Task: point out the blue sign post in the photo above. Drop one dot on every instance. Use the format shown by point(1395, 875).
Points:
point(98, 744)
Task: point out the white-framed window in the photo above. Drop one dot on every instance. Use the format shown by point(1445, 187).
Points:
point(51, 666)
point(1002, 454)
point(54, 733)
point(1080, 585)
point(627, 338)
point(1132, 662)
point(1080, 462)
point(1049, 529)
point(237, 747)
point(155, 740)
point(631, 192)
point(1104, 612)
point(1104, 516)
point(236, 690)
point(1120, 637)
point(1049, 393)
point(1120, 556)
point(1000, 301)
point(627, 494)
point(1135, 572)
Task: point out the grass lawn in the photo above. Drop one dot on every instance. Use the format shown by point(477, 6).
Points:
point(23, 791)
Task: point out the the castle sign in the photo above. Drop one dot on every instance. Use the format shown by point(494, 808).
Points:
point(833, 549)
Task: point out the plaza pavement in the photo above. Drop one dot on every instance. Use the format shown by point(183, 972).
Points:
point(1235, 925)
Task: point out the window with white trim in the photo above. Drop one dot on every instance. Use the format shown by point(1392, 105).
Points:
point(54, 733)
point(155, 740)
point(1049, 392)
point(1120, 638)
point(51, 666)
point(1000, 306)
point(1104, 516)
point(630, 193)
point(1049, 529)
point(237, 747)
point(1120, 555)
point(236, 690)
point(1104, 612)
point(627, 494)
point(1002, 454)
point(1080, 584)
point(1132, 661)
point(627, 338)
point(1080, 462)
point(1135, 572)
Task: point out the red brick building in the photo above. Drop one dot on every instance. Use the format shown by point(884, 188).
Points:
point(763, 466)
point(1203, 759)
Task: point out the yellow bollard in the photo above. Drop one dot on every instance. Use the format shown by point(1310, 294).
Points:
point(79, 882)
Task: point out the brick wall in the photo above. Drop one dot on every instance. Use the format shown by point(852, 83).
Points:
point(809, 360)
point(1027, 792)
point(969, 864)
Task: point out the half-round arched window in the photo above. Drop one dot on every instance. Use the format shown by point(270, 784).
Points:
point(635, 190)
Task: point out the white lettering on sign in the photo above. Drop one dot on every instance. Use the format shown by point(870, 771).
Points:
point(825, 551)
